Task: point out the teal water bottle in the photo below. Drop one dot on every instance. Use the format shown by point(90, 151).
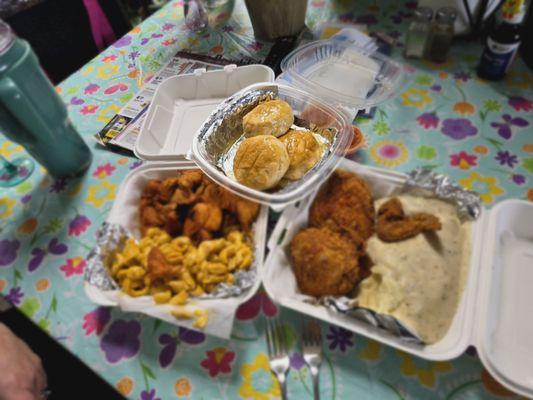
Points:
point(32, 113)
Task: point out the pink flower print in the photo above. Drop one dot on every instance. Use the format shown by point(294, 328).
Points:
point(74, 266)
point(218, 361)
point(168, 42)
point(96, 320)
point(78, 225)
point(463, 160)
point(103, 171)
point(250, 309)
point(89, 109)
point(109, 58)
point(91, 88)
point(167, 27)
point(120, 87)
point(520, 103)
point(428, 120)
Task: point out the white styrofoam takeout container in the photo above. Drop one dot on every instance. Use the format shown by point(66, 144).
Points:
point(494, 312)
point(178, 108)
point(125, 211)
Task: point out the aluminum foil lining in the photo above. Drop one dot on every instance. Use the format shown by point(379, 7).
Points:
point(222, 133)
point(112, 237)
point(224, 126)
point(424, 182)
point(421, 182)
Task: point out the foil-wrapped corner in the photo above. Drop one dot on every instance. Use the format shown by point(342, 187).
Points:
point(109, 238)
point(426, 182)
point(112, 237)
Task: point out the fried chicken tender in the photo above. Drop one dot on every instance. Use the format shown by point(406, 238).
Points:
point(344, 204)
point(203, 219)
point(324, 262)
point(393, 225)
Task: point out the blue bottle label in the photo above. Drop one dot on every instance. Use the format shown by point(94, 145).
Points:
point(497, 57)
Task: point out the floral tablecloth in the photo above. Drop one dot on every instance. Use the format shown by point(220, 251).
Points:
point(446, 118)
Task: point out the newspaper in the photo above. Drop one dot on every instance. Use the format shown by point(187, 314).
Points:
point(122, 130)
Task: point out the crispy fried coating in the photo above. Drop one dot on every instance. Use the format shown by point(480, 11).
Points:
point(203, 219)
point(158, 266)
point(171, 204)
point(324, 262)
point(245, 210)
point(393, 225)
point(345, 205)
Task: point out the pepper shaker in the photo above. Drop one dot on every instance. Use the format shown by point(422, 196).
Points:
point(441, 36)
point(418, 32)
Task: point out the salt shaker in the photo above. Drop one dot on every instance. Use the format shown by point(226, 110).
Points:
point(441, 36)
point(418, 32)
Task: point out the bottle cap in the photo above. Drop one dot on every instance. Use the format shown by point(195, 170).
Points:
point(446, 14)
point(424, 13)
point(7, 37)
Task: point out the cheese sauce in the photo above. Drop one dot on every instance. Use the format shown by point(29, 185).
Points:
point(420, 280)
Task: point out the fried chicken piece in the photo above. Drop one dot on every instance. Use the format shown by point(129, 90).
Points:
point(203, 219)
point(393, 225)
point(245, 210)
point(344, 204)
point(189, 186)
point(150, 218)
point(158, 266)
point(324, 262)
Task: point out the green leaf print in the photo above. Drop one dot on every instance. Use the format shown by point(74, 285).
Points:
point(53, 226)
point(24, 187)
point(381, 128)
point(527, 163)
point(424, 80)
point(44, 324)
point(426, 152)
point(157, 324)
point(30, 306)
point(492, 105)
point(53, 304)
point(147, 371)
point(127, 97)
point(72, 90)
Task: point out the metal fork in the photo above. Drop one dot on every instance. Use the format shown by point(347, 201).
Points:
point(278, 353)
point(312, 352)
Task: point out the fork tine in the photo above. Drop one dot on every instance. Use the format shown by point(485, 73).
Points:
point(281, 337)
point(270, 346)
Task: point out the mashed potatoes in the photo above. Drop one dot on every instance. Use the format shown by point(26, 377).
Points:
point(420, 280)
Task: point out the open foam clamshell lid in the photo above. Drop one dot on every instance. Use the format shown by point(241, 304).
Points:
point(496, 303)
point(503, 328)
point(182, 103)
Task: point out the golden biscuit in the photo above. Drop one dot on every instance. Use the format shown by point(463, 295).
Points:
point(272, 117)
point(260, 162)
point(304, 152)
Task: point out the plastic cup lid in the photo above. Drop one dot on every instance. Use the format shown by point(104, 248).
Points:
point(344, 74)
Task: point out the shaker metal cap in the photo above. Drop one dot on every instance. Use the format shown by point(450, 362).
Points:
point(423, 13)
point(446, 14)
point(7, 37)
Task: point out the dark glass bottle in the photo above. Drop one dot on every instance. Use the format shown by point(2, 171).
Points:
point(502, 42)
